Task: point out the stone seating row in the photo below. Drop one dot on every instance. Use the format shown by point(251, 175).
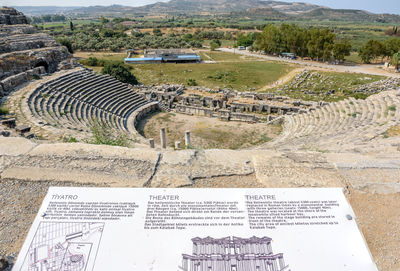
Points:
point(350, 120)
point(76, 99)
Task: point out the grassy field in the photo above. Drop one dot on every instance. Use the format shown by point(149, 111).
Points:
point(246, 73)
point(101, 55)
point(231, 71)
point(241, 76)
point(224, 43)
point(64, 24)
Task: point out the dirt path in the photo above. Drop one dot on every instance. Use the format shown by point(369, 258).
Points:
point(283, 80)
point(365, 69)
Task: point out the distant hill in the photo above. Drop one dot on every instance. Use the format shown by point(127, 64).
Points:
point(320, 14)
point(270, 9)
point(42, 10)
point(223, 6)
point(348, 14)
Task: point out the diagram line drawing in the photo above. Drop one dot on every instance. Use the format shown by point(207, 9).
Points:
point(233, 254)
point(63, 246)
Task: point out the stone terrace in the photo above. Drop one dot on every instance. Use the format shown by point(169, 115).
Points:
point(348, 125)
point(73, 100)
point(25, 53)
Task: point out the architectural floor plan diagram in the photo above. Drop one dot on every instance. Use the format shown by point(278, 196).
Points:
point(63, 246)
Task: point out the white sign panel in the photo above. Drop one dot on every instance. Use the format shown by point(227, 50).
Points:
point(140, 229)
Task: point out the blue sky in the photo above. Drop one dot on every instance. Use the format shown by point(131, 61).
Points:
point(381, 6)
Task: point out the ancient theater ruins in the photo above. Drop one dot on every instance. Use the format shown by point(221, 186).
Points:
point(64, 123)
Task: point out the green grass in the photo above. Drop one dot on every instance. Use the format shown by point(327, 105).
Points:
point(224, 43)
point(69, 139)
point(241, 76)
point(353, 57)
point(64, 24)
point(218, 56)
point(107, 56)
point(4, 110)
point(233, 70)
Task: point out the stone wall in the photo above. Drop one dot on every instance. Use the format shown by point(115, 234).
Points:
point(11, 82)
point(214, 113)
point(224, 104)
point(8, 30)
point(134, 119)
point(195, 110)
point(21, 42)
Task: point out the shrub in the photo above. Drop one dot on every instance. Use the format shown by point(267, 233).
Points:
point(4, 110)
point(36, 77)
point(213, 46)
point(104, 135)
point(92, 61)
point(191, 82)
point(120, 72)
point(70, 139)
point(65, 42)
point(392, 108)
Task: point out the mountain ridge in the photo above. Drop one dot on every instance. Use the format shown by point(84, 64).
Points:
point(284, 10)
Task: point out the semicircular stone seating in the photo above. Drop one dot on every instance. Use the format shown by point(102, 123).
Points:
point(341, 125)
point(75, 100)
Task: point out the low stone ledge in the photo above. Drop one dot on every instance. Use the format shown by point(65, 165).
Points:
point(13, 81)
point(14, 146)
point(137, 115)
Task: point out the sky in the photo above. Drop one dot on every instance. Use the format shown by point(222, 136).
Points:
point(376, 6)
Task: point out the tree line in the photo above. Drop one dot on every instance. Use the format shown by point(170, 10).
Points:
point(316, 43)
point(374, 49)
point(48, 19)
point(114, 38)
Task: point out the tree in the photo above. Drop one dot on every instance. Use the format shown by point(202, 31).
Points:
point(395, 61)
point(392, 46)
point(46, 18)
point(246, 40)
point(104, 20)
point(120, 72)
point(157, 32)
point(371, 50)
point(213, 45)
point(218, 42)
point(71, 26)
point(341, 49)
point(321, 43)
point(269, 40)
point(67, 43)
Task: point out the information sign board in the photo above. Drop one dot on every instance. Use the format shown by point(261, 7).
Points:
point(140, 229)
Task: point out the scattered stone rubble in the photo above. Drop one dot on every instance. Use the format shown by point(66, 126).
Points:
point(307, 81)
point(378, 86)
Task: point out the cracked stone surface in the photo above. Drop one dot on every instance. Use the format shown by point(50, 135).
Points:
point(292, 170)
point(371, 182)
